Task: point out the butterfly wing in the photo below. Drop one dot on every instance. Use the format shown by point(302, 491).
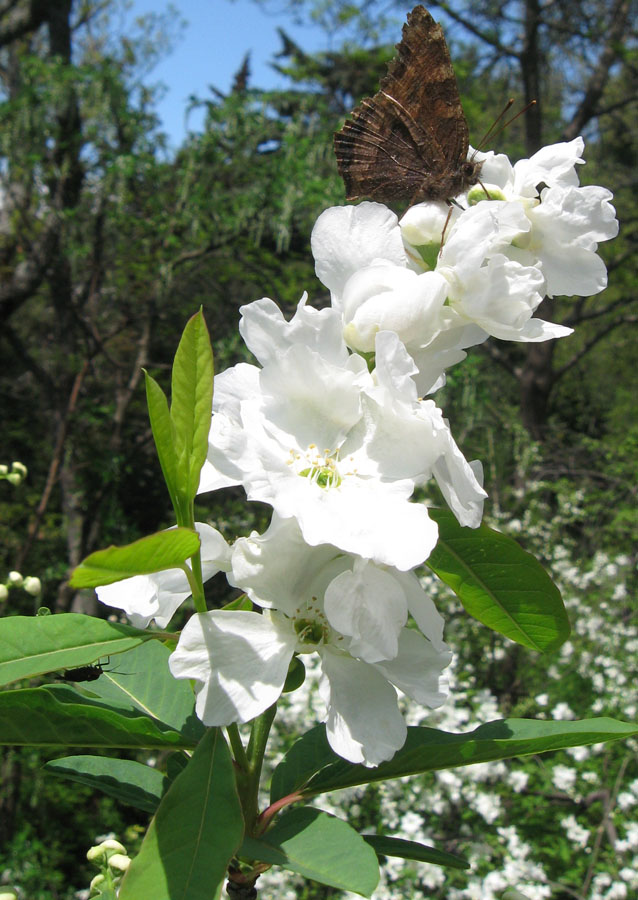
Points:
point(409, 140)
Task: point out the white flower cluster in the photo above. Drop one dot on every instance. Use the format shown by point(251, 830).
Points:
point(331, 430)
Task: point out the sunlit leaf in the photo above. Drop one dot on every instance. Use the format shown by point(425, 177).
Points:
point(194, 833)
point(499, 583)
point(162, 550)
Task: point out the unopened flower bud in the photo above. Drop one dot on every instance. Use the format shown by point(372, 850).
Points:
point(14, 478)
point(120, 862)
point(104, 850)
point(8, 895)
point(3, 471)
point(32, 585)
point(424, 224)
point(15, 579)
point(20, 468)
point(478, 193)
point(4, 593)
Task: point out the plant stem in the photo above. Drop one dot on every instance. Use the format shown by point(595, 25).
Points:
point(239, 753)
point(248, 777)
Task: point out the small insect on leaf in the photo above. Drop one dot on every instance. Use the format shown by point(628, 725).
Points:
point(83, 673)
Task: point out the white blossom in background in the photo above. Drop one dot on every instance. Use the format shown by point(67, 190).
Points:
point(157, 596)
point(350, 611)
point(563, 777)
point(575, 832)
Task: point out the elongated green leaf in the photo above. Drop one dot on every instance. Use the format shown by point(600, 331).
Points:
point(141, 679)
point(391, 846)
point(499, 583)
point(33, 645)
point(128, 781)
point(163, 434)
point(192, 399)
point(312, 767)
point(163, 550)
point(194, 834)
point(318, 846)
point(58, 716)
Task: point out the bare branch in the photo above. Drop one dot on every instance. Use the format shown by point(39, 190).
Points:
point(623, 320)
point(615, 33)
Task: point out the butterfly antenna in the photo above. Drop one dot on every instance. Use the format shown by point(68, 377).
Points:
point(492, 131)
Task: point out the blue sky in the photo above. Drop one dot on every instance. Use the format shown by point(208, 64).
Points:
point(217, 36)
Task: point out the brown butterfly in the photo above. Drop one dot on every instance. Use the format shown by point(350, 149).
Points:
point(410, 141)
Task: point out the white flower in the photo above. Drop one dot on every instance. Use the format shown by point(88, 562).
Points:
point(575, 832)
point(361, 254)
point(316, 436)
point(488, 288)
point(562, 712)
point(437, 302)
point(316, 599)
point(518, 780)
point(157, 596)
point(566, 221)
point(489, 807)
point(563, 777)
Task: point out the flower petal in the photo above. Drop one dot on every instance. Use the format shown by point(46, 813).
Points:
point(238, 659)
point(347, 238)
point(367, 604)
point(417, 668)
point(364, 724)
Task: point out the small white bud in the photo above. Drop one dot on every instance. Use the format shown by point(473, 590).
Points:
point(32, 585)
point(20, 468)
point(14, 478)
point(3, 471)
point(104, 850)
point(15, 579)
point(4, 593)
point(120, 862)
point(112, 844)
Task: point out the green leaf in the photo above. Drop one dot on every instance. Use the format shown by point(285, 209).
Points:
point(58, 716)
point(164, 435)
point(192, 399)
point(499, 583)
point(194, 833)
point(129, 782)
point(33, 645)
point(242, 602)
point(318, 846)
point(105, 893)
point(310, 766)
point(141, 679)
point(162, 550)
point(383, 845)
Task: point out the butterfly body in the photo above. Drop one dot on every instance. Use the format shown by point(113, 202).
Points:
point(410, 141)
